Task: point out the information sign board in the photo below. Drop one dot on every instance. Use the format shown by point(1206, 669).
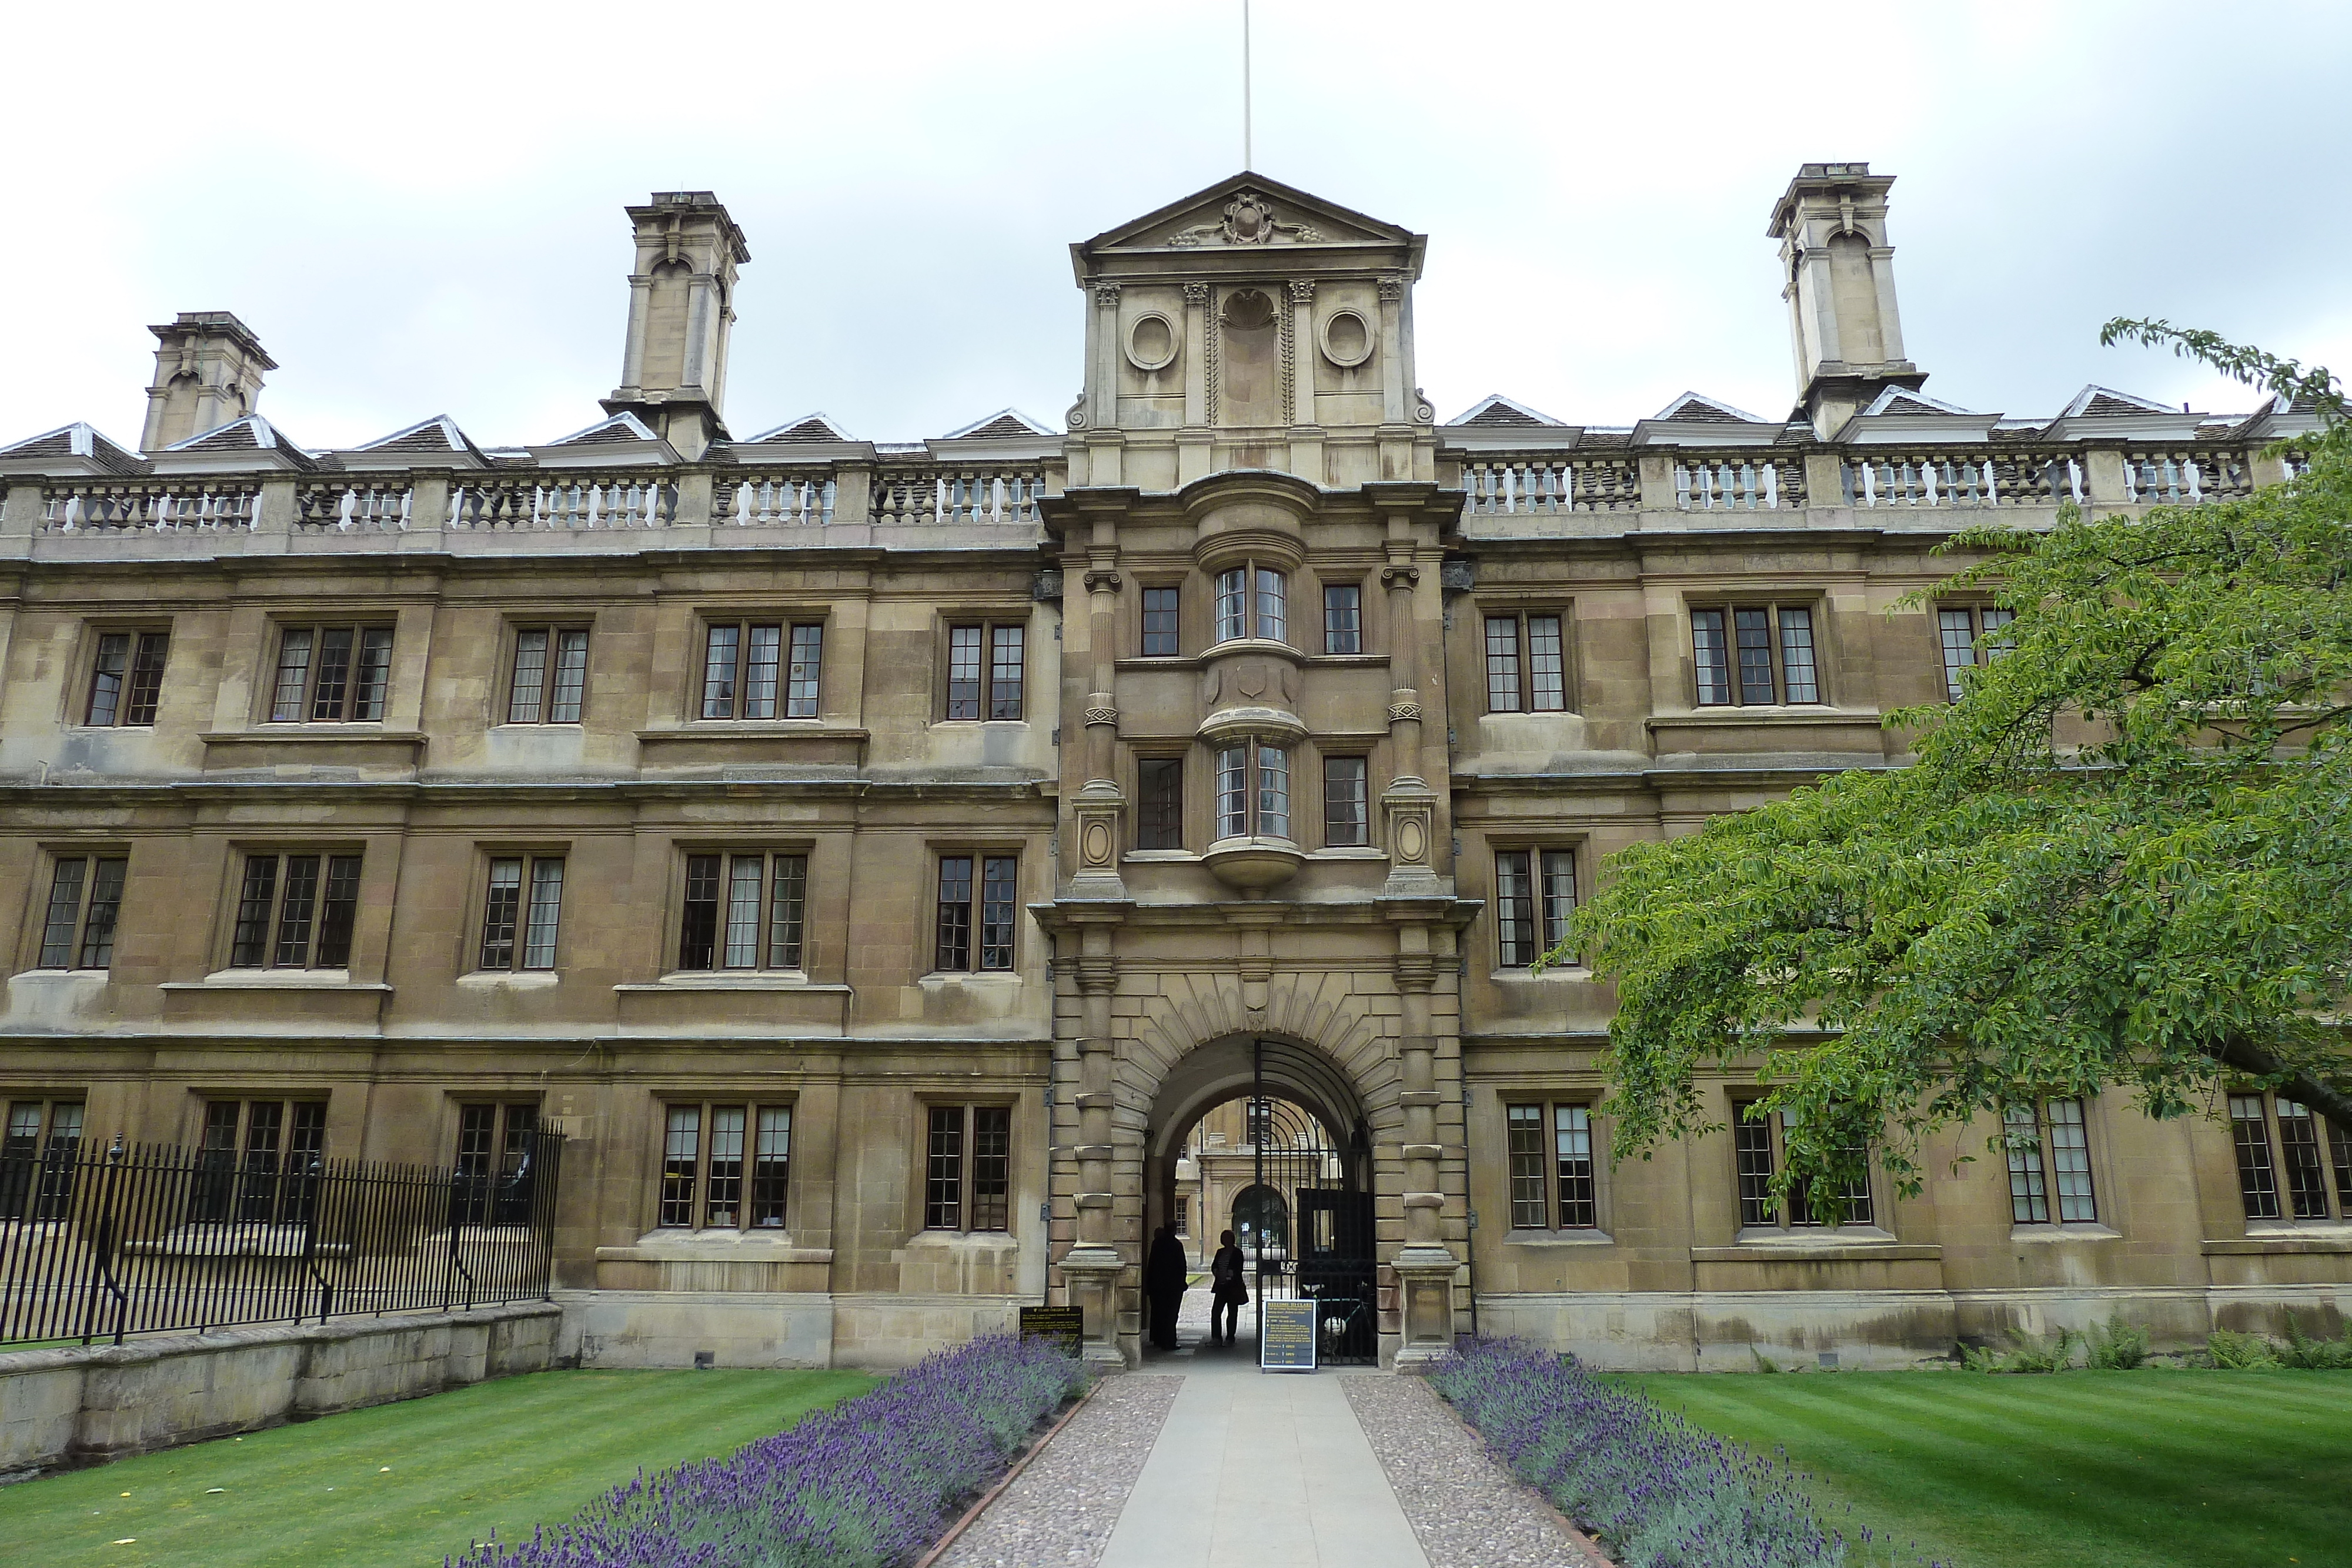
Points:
point(1285, 1336)
point(1065, 1326)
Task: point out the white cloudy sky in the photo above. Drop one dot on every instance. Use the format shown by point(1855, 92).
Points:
point(417, 207)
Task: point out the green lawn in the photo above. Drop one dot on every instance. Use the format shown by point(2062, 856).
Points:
point(2124, 1470)
point(402, 1484)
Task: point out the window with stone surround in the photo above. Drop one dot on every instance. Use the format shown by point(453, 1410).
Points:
point(1750, 655)
point(36, 1158)
point(1549, 1146)
point(496, 1143)
point(259, 1160)
point(549, 684)
point(1160, 802)
point(331, 674)
point(296, 912)
point(1162, 630)
point(1963, 629)
point(726, 1165)
point(986, 662)
point(520, 907)
point(978, 904)
point(1343, 618)
point(1526, 663)
point(2049, 1164)
point(1535, 895)
point(760, 669)
point(126, 678)
point(967, 1168)
point(85, 900)
point(743, 909)
point(2293, 1163)
point(1253, 791)
point(1759, 1148)
point(1347, 807)
point(1252, 601)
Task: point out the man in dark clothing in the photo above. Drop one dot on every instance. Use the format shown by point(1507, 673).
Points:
point(1164, 1275)
point(1231, 1290)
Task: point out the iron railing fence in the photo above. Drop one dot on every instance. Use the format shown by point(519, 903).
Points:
point(101, 1244)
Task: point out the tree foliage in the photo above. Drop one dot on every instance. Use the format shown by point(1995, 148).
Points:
point(2122, 860)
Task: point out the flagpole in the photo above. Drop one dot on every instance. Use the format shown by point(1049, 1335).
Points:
point(1246, 159)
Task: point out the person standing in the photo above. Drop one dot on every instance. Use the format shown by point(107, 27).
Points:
point(1164, 1277)
point(1230, 1289)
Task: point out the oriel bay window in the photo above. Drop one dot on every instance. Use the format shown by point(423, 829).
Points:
point(1964, 630)
point(1160, 803)
point(519, 932)
point(2049, 1164)
point(746, 672)
point(2305, 1174)
point(968, 1169)
point(296, 912)
point(1252, 601)
point(329, 675)
point(743, 909)
point(1535, 894)
point(1526, 664)
point(1550, 1151)
point(1759, 1148)
point(85, 899)
point(725, 1166)
point(986, 660)
point(977, 898)
point(1253, 791)
point(1751, 655)
point(126, 678)
point(551, 675)
point(257, 1160)
point(36, 1159)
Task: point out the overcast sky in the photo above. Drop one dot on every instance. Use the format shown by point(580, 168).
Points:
point(418, 207)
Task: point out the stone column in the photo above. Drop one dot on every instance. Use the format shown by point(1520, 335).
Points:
point(1093, 1267)
point(1407, 805)
point(1194, 440)
point(1425, 1265)
point(1100, 806)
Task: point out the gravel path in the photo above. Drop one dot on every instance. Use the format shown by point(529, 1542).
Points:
point(1467, 1509)
point(1062, 1509)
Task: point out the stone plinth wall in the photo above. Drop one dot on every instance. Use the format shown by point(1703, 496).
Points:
point(878, 1331)
point(78, 1406)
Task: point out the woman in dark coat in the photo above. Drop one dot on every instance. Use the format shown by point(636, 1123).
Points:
point(1164, 1277)
point(1232, 1292)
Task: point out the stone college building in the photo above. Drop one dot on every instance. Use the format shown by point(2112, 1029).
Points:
point(879, 857)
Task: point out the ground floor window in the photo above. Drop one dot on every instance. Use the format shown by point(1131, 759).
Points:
point(1550, 1151)
point(1760, 1147)
point(725, 1166)
point(496, 1144)
point(259, 1161)
point(2049, 1164)
point(968, 1169)
point(2293, 1162)
point(36, 1158)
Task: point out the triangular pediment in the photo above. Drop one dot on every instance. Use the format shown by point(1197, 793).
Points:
point(808, 427)
point(1248, 212)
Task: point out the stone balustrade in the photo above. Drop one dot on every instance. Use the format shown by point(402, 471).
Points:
point(768, 500)
point(541, 500)
point(2184, 476)
point(1747, 482)
point(374, 507)
point(120, 506)
point(1964, 479)
point(1507, 483)
point(964, 495)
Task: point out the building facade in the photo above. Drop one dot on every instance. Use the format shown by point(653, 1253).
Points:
point(877, 859)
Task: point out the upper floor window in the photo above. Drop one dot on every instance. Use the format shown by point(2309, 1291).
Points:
point(495, 1145)
point(1160, 627)
point(1964, 630)
point(36, 1159)
point(1254, 791)
point(1347, 813)
point(985, 663)
point(1252, 601)
point(1759, 1147)
point(1535, 894)
point(1526, 664)
point(330, 675)
point(2307, 1145)
point(2049, 1156)
point(980, 907)
point(551, 675)
point(519, 932)
point(1160, 803)
point(85, 898)
point(258, 1156)
point(966, 1168)
point(1773, 645)
point(745, 910)
point(296, 912)
point(725, 1166)
point(1550, 1153)
point(1343, 618)
point(745, 672)
point(126, 677)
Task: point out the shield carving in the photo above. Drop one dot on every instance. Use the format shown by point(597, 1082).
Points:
point(1250, 680)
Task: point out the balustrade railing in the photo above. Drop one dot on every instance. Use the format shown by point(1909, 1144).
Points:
point(772, 500)
point(1972, 479)
point(119, 507)
point(381, 509)
point(2185, 477)
point(1500, 487)
point(616, 501)
point(962, 496)
point(1748, 483)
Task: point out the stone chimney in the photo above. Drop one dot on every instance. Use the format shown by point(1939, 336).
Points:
point(208, 369)
point(1839, 286)
point(681, 304)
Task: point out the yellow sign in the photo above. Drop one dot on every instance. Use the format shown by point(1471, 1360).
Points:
point(1285, 1336)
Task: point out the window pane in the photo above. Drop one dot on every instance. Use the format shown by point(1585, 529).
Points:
point(963, 672)
point(943, 1172)
point(805, 674)
point(1233, 605)
point(332, 689)
point(340, 912)
point(698, 931)
point(1753, 629)
point(992, 1167)
point(1515, 911)
point(296, 912)
point(529, 677)
point(723, 1185)
point(98, 923)
point(1797, 671)
point(787, 909)
point(2249, 1131)
point(1707, 657)
point(2339, 1148)
point(1233, 793)
point(1273, 792)
point(681, 1150)
point(2029, 1200)
point(1573, 1149)
point(2070, 1157)
point(1752, 1149)
point(1273, 606)
point(1006, 660)
point(1502, 664)
point(1558, 895)
point(771, 1166)
point(1346, 810)
point(571, 677)
point(760, 672)
point(1959, 633)
point(477, 1137)
point(954, 946)
point(1546, 665)
point(248, 949)
point(500, 913)
point(719, 658)
point(546, 905)
point(1992, 619)
point(375, 675)
point(113, 664)
point(1855, 1208)
point(2306, 1176)
point(1000, 884)
point(146, 679)
point(1160, 814)
point(293, 676)
point(1524, 1137)
point(1160, 606)
point(1343, 619)
point(744, 878)
point(64, 908)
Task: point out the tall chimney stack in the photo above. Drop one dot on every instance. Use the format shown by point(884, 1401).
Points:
point(1840, 285)
point(682, 305)
point(208, 369)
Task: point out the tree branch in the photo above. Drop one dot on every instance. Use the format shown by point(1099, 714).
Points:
point(2256, 1061)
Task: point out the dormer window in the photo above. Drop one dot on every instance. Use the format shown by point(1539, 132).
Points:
point(1252, 601)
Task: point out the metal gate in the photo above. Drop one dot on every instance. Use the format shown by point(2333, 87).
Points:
point(1306, 1220)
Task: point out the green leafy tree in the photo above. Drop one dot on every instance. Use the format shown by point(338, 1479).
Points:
point(2122, 860)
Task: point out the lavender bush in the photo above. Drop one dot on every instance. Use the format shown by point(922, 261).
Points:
point(1662, 1493)
point(866, 1484)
